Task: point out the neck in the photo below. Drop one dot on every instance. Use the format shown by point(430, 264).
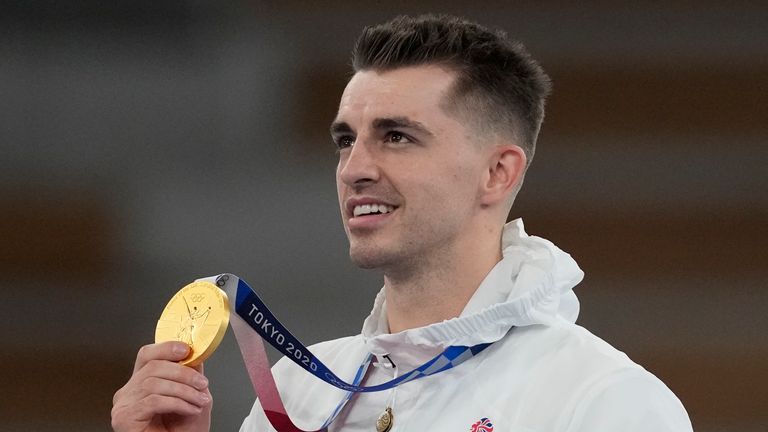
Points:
point(434, 291)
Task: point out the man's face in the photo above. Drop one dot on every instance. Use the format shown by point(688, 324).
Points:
point(408, 174)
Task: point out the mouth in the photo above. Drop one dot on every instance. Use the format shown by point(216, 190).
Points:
point(361, 210)
point(366, 214)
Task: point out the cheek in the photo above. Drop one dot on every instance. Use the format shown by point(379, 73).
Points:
point(461, 177)
point(338, 180)
point(450, 187)
point(340, 197)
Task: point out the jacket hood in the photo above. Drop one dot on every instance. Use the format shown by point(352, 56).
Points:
point(532, 284)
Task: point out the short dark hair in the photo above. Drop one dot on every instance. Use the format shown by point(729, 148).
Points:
point(498, 84)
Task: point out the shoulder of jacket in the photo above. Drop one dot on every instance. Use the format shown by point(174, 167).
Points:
point(630, 399)
point(606, 384)
point(564, 343)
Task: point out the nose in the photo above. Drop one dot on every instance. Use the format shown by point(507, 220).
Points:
point(358, 167)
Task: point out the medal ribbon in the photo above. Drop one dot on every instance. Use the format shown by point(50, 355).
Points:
point(254, 318)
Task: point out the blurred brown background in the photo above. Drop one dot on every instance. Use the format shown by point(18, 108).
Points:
point(144, 144)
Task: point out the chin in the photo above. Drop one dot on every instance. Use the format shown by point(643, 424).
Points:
point(364, 261)
point(368, 257)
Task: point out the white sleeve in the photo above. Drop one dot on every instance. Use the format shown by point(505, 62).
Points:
point(631, 400)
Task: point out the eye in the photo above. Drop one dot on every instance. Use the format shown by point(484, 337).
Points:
point(397, 138)
point(344, 141)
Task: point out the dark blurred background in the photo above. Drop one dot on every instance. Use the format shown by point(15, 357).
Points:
point(146, 143)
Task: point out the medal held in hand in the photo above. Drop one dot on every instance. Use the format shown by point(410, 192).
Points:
point(197, 315)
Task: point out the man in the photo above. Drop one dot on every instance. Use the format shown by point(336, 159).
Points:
point(435, 131)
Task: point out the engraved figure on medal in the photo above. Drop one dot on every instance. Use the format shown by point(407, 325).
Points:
point(194, 319)
point(197, 315)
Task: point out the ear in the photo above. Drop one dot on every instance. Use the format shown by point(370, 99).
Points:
point(506, 166)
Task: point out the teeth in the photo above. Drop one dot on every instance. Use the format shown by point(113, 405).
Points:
point(372, 208)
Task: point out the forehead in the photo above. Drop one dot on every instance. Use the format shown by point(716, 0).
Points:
point(415, 92)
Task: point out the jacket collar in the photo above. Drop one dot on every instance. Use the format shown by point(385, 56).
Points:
point(532, 284)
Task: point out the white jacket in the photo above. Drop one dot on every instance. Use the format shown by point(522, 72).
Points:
point(545, 374)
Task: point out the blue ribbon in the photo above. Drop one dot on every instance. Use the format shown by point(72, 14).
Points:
point(253, 311)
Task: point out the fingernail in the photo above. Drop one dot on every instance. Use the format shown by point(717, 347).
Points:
point(180, 349)
point(200, 382)
point(204, 398)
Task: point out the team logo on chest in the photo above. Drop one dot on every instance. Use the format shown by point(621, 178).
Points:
point(484, 425)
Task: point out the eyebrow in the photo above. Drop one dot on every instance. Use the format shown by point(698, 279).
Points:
point(384, 124)
point(400, 123)
point(340, 128)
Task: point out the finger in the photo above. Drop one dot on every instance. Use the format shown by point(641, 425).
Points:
point(153, 405)
point(170, 351)
point(163, 387)
point(165, 379)
point(137, 414)
point(200, 369)
point(171, 371)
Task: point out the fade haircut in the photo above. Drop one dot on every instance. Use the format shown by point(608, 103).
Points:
point(499, 87)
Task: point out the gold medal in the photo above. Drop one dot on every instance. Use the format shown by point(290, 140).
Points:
point(198, 315)
point(385, 421)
